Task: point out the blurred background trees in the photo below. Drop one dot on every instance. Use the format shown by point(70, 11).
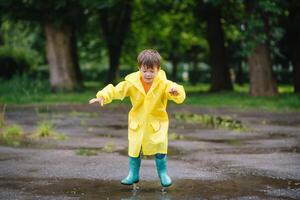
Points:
point(222, 43)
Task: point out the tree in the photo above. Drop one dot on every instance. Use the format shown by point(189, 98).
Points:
point(232, 13)
point(115, 19)
point(293, 40)
point(59, 19)
point(169, 27)
point(258, 23)
point(211, 12)
point(1, 37)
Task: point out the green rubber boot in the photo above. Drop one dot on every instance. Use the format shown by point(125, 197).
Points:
point(134, 169)
point(161, 166)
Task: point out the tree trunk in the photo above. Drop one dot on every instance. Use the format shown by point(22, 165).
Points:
point(293, 32)
point(76, 59)
point(239, 78)
point(296, 67)
point(174, 69)
point(61, 59)
point(115, 22)
point(114, 59)
point(220, 70)
point(1, 37)
point(195, 75)
point(262, 82)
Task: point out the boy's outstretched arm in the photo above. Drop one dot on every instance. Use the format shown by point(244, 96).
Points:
point(110, 92)
point(175, 92)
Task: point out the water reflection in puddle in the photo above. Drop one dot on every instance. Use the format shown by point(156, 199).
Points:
point(236, 188)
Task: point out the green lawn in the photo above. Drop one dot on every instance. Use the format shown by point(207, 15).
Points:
point(36, 92)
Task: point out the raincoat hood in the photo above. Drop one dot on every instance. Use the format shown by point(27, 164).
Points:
point(134, 79)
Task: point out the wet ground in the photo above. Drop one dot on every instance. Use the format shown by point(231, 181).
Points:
point(262, 162)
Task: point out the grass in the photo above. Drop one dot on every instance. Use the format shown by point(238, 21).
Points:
point(109, 147)
point(12, 135)
point(175, 136)
point(86, 152)
point(284, 102)
point(2, 116)
point(212, 121)
point(239, 98)
point(26, 91)
point(45, 130)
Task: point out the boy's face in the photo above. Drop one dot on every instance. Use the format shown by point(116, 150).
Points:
point(148, 73)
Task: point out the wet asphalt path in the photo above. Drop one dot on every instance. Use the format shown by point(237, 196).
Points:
point(204, 163)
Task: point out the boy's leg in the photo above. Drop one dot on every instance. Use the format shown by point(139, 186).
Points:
point(161, 166)
point(133, 173)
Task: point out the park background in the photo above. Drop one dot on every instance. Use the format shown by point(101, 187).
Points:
point(226, 53)
point(236, 136)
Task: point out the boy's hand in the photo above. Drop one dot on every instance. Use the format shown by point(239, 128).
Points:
point(173, 91)
point(100, 100)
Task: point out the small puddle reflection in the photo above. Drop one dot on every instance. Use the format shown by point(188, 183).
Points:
point(116, 126)
point(235, 188)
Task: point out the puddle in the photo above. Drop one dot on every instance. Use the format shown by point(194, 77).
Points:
point(292, 123)
point(232, 142)
point(111, 126)
point(242, 187)
point(291, 149)
point(255, 151)
point(278, 136)
point(116, 126)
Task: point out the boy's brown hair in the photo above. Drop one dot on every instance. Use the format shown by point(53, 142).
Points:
point(149, 58)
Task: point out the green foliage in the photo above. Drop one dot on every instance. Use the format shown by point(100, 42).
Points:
point(57, 12)
point(240, 99)
point(175, 136)
point(169, 27)
point(45, 130)
point(2, 116)
point(12, 61)
point(15, 93)
point(109, 147)
point(261, 24)
point(22, 41)
point(23, 87)
point(12, 135)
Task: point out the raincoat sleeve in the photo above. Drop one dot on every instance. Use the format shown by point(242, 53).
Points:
point(111, 92)
point(179, 98)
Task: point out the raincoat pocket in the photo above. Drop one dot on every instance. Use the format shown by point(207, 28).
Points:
point(133, 125)
point(155, 125)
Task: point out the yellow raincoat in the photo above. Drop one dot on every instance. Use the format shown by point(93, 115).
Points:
point(148, 120)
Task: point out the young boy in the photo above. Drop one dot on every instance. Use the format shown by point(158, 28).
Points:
point(149, 91)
